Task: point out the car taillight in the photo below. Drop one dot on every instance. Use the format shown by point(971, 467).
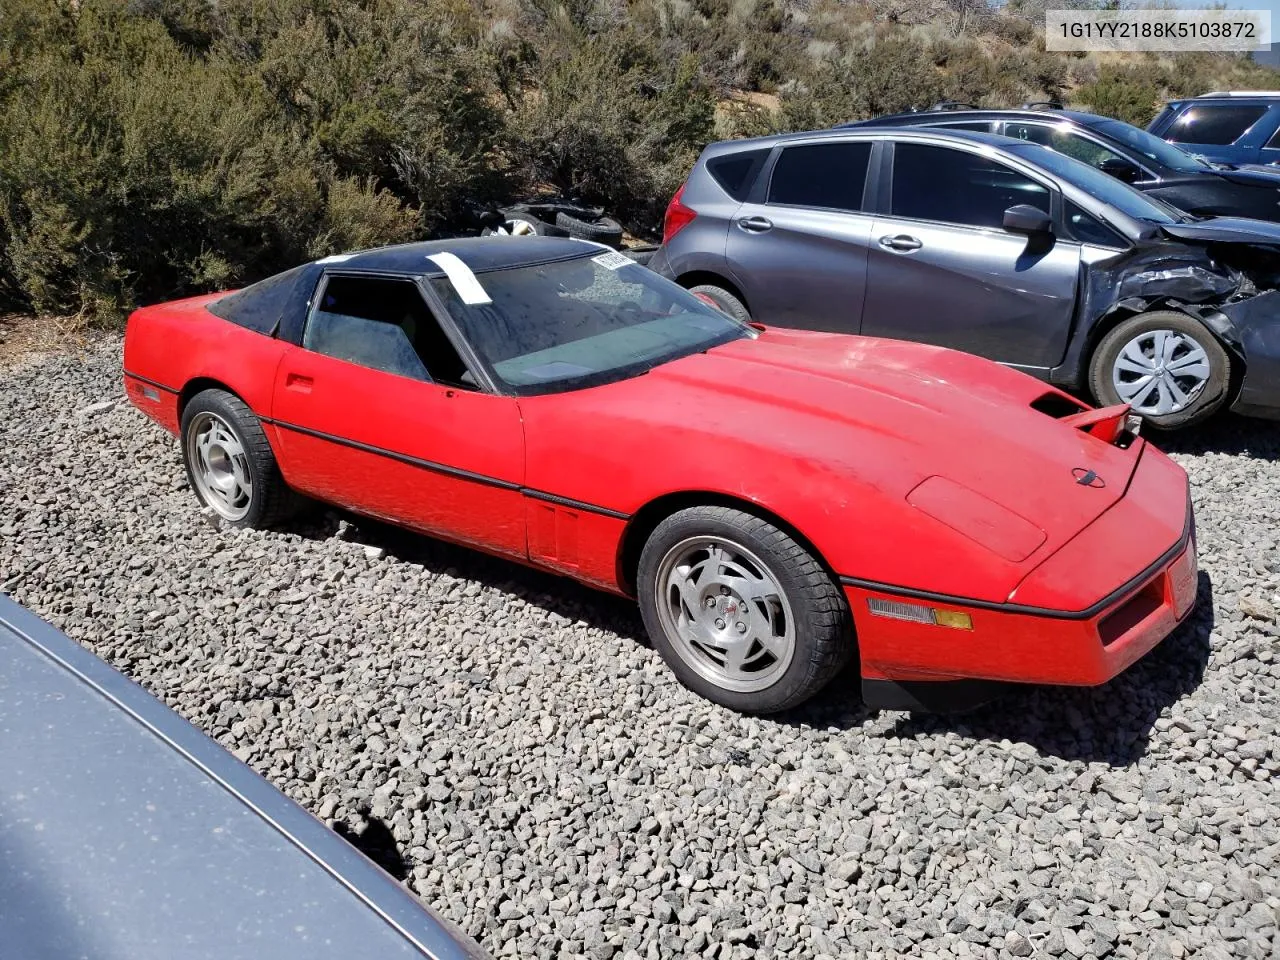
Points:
point(677, 218)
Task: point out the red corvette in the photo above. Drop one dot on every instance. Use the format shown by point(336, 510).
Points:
point(777, 500)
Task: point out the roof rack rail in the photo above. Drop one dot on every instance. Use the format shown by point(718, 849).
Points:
point(1239, 93)
point(953, 105)
point(1042, 105)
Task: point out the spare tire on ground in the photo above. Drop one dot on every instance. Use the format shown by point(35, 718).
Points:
point(604, 230)
point(641, 255)
point(522, 221)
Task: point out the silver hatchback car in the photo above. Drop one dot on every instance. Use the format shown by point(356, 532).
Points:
point(993, 246)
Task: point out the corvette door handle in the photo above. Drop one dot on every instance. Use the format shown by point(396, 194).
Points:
point(901, 243)
point(298, 382)
point(755, 224)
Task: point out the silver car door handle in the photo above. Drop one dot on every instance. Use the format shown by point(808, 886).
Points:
point(755, 224)
point(901, 242)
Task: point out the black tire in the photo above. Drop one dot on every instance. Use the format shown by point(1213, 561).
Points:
point(270, 500)
point(723, 301)
point(1212, 393)
point(601, 230)
point(823, 632)
point(515, 216)
point(641, 255)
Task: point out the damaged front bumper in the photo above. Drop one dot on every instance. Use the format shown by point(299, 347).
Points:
point(1217, 284)
point(1255, 332)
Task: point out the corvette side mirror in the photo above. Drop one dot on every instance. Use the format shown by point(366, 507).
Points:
point(1024, 218)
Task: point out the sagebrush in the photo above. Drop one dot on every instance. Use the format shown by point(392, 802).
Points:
point(155, 148)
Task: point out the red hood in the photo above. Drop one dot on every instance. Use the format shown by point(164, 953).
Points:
point(896, 413)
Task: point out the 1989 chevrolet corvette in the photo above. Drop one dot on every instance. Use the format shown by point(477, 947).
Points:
point(778, 501)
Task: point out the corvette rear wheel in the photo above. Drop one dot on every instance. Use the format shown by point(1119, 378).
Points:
point(229, 462)
point(743, 614)
point(1166, 366)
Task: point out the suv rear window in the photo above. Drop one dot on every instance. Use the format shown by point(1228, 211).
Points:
point(736, 172)
point(1215, 125)
point(826, 175)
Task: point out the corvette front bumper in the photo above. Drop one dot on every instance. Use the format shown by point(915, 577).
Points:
point(1027, 647)
point(1037, 637)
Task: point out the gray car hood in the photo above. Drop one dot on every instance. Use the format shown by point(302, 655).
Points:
point(1253, 176)
point(1225, 230)
point(127, 834)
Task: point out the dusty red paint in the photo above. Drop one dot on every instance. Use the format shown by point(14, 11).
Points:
point(830, 433)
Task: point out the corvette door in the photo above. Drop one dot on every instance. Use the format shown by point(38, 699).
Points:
point(376, 411)
point(943, 270)
point(801, 257)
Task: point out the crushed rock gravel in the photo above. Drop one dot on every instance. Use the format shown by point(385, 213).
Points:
point(508, 744)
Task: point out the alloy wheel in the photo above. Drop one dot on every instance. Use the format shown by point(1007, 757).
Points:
point(725, 613)
point(219, 466)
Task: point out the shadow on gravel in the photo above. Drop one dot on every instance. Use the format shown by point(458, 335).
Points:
point(1238, 436)
point(555, 594)
point(374, 839)
point(1111, 723)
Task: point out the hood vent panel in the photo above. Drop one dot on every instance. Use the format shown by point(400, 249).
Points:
point(1057, 405)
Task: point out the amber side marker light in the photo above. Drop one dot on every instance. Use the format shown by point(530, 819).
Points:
point(919, 613)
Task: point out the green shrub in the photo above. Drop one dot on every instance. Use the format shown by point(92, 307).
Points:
point(153, 151)
point(155, 148)
point(1127, 93)
point(604, 125)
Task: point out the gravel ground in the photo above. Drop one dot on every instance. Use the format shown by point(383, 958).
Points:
point(508, 744)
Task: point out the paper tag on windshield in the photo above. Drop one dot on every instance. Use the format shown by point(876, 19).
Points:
point(613, 260)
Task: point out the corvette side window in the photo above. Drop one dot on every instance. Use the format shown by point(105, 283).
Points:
point(385, 325)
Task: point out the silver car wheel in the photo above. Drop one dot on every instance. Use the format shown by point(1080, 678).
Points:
point(1160, 372)
point(219, 466)
point(516, 228)
point(725, 613)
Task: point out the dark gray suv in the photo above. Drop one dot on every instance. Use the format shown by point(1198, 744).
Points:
point(994, 246)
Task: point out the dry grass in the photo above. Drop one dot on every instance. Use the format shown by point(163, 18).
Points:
point(23, 335)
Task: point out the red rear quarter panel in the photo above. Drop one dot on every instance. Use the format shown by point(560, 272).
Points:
point(169, 346)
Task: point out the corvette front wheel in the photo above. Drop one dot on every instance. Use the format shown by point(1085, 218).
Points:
point(743, 614)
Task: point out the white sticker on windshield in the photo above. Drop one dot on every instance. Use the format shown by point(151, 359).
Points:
point(613, 260)
point(337, 258)
point(464, 281)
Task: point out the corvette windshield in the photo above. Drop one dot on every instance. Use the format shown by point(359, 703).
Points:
point(583, 322)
